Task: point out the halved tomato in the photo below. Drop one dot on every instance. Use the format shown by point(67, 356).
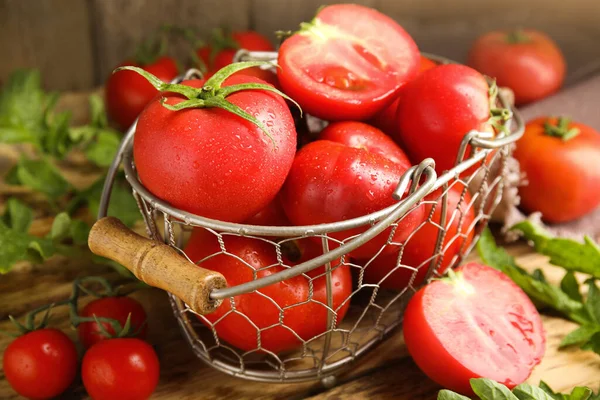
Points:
point(348, 63)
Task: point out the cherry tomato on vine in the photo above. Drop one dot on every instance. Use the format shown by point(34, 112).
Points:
point(347, 63)
point(419, 250)
point(221, 49)
point(561, 161)
point(350, 172)
point(488, 328)
point(40, 364)
point(386, 119)
point(207, 159)
point(527, 61)
point(127, 93)
point(117, 308)
point(307, 320)
point(438, 108)
point(124, 368)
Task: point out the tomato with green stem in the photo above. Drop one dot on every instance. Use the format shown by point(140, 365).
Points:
point(351, 171)
point(475, 323)
point(300, 302)
point(527, 61)
point(123, 368)
point(220, 148)
point(561, 161)
point(40, 364)
point(348, 63)
point(438, 108)
point(419, 249)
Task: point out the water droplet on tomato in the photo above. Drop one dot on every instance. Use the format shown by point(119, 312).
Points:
point(177, 157)
point(270, 124)
point(373, 177)
point(196, 165)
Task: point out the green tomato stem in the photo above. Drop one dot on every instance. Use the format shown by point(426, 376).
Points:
point(561, 129)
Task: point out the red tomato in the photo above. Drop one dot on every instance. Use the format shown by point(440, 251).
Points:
point(211, 162)
point(419, 249)
point(528, 62)
point(306, 320)
point(332, 181)
point(225, 51)
point(272, 215)
point(127, 93)
point(563, 175)
point(476, 324)
point(348, 63)
point(386, 119)
point(40, 364)
point(117, 308)
point(438, 109)
point(124, 368)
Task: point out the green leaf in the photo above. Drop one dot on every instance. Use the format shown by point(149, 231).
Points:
point(57, 140)
point(593, 344)
point(570, 286)
point(528, 392)
point(566, 253)
point(103, 149)
point(493, 255)
point(61, 227)
point(97, 112)
point(42, 176)
point(592, 303)
point(79, 232)
point(488, 389)
point(17, 215)
point(580, 335)
point(18, 246)
point(581, 393)
point(556, 396)
point(450, 395)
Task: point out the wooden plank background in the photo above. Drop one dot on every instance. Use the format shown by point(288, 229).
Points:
point(76, 43)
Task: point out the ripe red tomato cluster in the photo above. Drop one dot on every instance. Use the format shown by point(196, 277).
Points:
point(42, 363)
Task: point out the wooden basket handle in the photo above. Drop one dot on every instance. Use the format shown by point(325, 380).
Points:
point(156, 264)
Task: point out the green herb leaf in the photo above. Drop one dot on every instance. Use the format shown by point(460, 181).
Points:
point(593, 344)
point(488, 389)
point(18, 246)
point(103, 149)
point(556, 396)
point(592, 303)
point(42, 176)
point(528, 392)
point(450, 395)
point(581, 393)
point(566, 253)
point(61, 227)
point(17, 215)
point(580, 335)
point(570, 286)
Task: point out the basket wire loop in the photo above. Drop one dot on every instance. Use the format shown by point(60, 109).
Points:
point(374, 311)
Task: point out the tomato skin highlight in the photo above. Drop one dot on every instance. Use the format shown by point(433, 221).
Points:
point(307, 320)
point(378, 58)
point(420, 248)
point(127, 93)
point(41, 364)
point(331, 181)
point(533, 69)
point(124, 368)
point(563, 176)
point(437, 109)
point(211, 162)
point(489, 328)
point(117, 308)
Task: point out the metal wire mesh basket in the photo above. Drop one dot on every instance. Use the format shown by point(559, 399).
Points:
point(366, 314)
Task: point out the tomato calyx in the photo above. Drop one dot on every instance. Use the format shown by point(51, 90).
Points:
point(561, 129)
point(517, 36)
point(498, 115)
point(212, 94)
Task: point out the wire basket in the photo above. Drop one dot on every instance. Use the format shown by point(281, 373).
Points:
point(355, 323)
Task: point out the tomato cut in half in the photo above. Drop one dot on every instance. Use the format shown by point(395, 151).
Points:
point(476, 323)
point(348, 63)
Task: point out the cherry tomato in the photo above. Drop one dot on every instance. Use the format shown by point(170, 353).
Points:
point(475, 324)
point(253, 256)
point(40, 364)
point(386, 119)
point(127, 93)
point(117, 308)
point(226, 47)
point(419, 250)
point(563, 173)
point(527, 61)
point(348, 63)
point(333, 181)
point(211, 162)
point(124, 368)
point(438, 108)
